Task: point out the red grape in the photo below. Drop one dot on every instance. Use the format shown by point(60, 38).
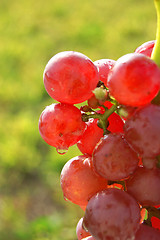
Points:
point(147, 233)
point(79, 181)
point(134, 80)
point(80, 231)
point(113, 158)
point(112, 214)
point(146, 48)
point(144, 186)
point(70, 77)
point(61, 125)
point(104, 66)
point(142, 131)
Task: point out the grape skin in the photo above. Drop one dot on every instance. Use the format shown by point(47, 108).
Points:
point(112, 215)
point(144, 186)
point(79, 181)
point(70, 77)
point(60, 125)
point(113, 158)
point(134, 80)
point(147, 233)
point(146, 48)
point(142, 131)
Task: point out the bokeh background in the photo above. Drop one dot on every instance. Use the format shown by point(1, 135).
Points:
point(31, 32)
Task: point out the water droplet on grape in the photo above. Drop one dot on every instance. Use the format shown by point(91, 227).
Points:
point(62, 151)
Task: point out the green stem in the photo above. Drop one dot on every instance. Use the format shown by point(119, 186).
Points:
point(102, 117)
point(156, 50)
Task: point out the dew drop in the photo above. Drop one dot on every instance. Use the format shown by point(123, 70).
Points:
point(62, 151)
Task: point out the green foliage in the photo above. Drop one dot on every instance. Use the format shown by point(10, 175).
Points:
point(31, 202)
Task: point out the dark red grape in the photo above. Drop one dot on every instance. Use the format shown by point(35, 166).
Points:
point(142, 131)
point(112, 214)
point(113, 158)
point(144, 186)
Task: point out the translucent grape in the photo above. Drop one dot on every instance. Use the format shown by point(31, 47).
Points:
point(134, 80)
point(79, 181)
point(104, 66)
point(70, 77)
point(61, 126)
point(146, 48)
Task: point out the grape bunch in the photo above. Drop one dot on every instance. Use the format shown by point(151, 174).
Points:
point(116, 179)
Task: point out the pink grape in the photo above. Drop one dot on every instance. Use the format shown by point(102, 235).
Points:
point(70, 77)
point(142, 131)
point(144, 186)
point(61, 126)
point(113, 158)
point(104, 66)
point(134, 80)
point(112, 214)
point(79, 181)
point(146, 48)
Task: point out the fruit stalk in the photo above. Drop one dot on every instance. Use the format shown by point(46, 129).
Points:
point(156, 50)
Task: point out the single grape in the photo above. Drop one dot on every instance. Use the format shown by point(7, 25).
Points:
point(134, 80)
point(80, 231)
point(104, 66)
point(79, 181)
point(142, 131)
point(147, 233)
point(61, 126)
point(146, 48)
point(113, 158)
point(112, 214)
point(70, 77)
point(144, 186)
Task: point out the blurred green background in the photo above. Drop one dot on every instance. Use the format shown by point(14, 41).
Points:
point(31, 32)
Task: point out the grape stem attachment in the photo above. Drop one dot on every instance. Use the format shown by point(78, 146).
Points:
point(101, 117)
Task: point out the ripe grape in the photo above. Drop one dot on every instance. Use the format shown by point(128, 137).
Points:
point(104, 66)
point(147, 233)
point(112, 214)
point(146, 48)
point(80, 231)
point(134, 80)
point(113, 158)
point(70, 77)
point(61, 126)
point(79, 181)
point(144, 186)
point(142, 131)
